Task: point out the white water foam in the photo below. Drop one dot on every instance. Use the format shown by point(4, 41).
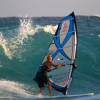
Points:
point(13, 87)
point(4, 45)
point(50, 28)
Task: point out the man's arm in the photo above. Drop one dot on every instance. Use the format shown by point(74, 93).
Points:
point(58, 65)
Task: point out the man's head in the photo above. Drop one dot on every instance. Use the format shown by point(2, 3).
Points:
point(49, 58)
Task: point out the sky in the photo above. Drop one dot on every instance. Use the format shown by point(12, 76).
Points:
point(48, 7)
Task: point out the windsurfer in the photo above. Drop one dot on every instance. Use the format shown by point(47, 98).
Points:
point(41, 77)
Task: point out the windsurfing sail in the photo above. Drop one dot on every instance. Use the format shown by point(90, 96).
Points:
point(63, 50)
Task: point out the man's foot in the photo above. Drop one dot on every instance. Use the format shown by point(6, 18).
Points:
point(50, 95)
point(40, 95)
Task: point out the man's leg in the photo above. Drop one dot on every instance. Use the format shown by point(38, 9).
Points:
point(50, 88)
point(41, 91)
point(41, 87)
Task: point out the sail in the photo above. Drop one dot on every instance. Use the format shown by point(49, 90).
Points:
point(63, 50)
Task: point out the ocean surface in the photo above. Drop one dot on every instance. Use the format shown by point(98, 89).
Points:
point(24, 42)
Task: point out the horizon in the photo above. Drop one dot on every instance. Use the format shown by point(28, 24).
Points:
point(97, 15)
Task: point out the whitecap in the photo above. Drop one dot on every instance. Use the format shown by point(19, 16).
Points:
point(98, 35)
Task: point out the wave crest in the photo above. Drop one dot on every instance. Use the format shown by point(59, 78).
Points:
point(12, 44)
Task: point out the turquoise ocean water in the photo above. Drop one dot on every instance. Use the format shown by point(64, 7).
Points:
point(23, 44)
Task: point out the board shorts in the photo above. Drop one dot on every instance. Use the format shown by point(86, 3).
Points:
point(41, 79)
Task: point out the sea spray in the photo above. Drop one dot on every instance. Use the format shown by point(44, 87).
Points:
point(11, 45)
point(26, 29)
